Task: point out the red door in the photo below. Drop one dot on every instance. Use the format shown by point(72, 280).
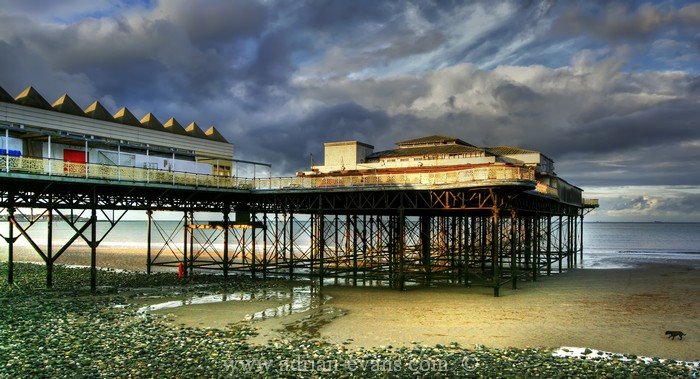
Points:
point(74, 162)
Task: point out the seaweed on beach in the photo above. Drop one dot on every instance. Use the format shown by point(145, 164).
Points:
point(67, 331)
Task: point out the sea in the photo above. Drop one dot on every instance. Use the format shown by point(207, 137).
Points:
point(606, 244)
point(627, 244)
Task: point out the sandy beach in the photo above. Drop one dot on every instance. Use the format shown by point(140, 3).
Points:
point(619, 310)
point(624, 311)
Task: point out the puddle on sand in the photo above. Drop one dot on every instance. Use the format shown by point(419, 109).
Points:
point(296, 300)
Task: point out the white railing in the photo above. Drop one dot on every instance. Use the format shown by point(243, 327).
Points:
point(53, 167)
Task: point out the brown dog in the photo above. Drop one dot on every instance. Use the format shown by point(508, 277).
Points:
point(672, 334)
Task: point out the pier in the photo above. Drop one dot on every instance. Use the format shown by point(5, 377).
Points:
point(453, 213)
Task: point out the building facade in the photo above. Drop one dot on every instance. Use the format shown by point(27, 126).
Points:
point(436, 154)
point(62, 131)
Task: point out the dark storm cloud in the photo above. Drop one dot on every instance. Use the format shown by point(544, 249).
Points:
point(620, 21)
point(666, 123)
point(280, 78)
point(344, 15)
point(688, 203)
point(208, 22)
point(288, 144)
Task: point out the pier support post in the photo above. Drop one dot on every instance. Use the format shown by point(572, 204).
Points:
point(252, 247)
point(149, 216)
point(185, 226)
point(575, 247)
point(483, 224)
point(568, 241)
point(581, 241)
point(549, 244)
point(227, 210)
point(49, 244)
point(495, 252)
point(93, 243)
point(400, 247)
point(561, 245)
point(528, 241)
point(10, 244)
point(364, 248)
point(321, 246)
point(354, 249)
point(336, 246)
point(425, 246)
point(191, 231)
point(265, 256)
point(472, 248)
point(291, 246)
point(513, 245)
point(535, 247)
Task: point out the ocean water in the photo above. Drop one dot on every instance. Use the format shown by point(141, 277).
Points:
point(626, 244)
point(606, 245)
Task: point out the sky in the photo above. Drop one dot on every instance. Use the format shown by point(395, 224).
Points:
point(609, 90)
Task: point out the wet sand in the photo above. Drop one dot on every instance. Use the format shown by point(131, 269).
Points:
point(623, 311)
point(116, 258)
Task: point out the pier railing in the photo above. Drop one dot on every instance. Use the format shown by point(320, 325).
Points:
point(60, 168)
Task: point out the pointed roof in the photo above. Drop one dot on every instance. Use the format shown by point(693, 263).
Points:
point(214, 135)
point(194, 130)
point(65, 104)
point(174, 127)
point(31, 98)
point(150, 121)
point(432, 140)
point(98, 112)
point(5, 97)
point(124, 116)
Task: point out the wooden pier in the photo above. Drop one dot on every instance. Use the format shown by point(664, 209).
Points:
point(472, 231)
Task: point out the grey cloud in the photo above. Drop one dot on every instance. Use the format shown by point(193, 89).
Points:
point(281, 78)
point(619, 21)
point(217, 21)
point(638, 203)
point(288, 144)
point(688, 203)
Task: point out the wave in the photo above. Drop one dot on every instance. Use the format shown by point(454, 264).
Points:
point(657, 252)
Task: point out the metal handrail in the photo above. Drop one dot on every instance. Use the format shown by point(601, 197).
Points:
point(55, 167)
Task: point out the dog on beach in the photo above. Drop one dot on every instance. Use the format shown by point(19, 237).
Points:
point(672, 334)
